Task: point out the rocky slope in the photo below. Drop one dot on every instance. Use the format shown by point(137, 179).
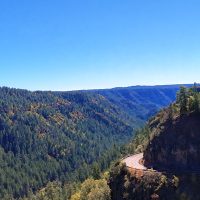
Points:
point(171, 154)
point(176, 144)
point(128, 184)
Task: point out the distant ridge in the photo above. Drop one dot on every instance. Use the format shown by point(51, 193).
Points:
point(137, 87)
point(113, 88)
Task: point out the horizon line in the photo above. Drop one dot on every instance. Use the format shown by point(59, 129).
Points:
point(108, 88)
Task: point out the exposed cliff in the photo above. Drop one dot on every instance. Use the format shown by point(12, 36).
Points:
point(176, 144)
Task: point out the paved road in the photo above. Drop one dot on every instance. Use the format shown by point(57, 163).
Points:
point(133, 161)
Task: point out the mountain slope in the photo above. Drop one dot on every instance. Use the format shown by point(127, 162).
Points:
point(141, 101)
point(58, 135)
point(170, 143)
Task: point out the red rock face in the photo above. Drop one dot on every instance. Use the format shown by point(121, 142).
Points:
point(176, 144)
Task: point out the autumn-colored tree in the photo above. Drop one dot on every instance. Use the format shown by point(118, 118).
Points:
point(52, 191)
point(93, 190)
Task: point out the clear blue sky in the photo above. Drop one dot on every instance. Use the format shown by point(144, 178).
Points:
point(82, 44)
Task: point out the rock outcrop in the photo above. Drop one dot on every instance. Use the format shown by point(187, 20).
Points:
point(175, 144)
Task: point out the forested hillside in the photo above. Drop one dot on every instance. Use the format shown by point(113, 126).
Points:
point(141, 102)
point(170, 145)
point(67, 136)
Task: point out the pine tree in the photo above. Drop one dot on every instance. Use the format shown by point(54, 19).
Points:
point(196, 102)
point(182, 100)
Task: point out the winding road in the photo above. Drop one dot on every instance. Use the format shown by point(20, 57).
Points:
point(134, 161)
